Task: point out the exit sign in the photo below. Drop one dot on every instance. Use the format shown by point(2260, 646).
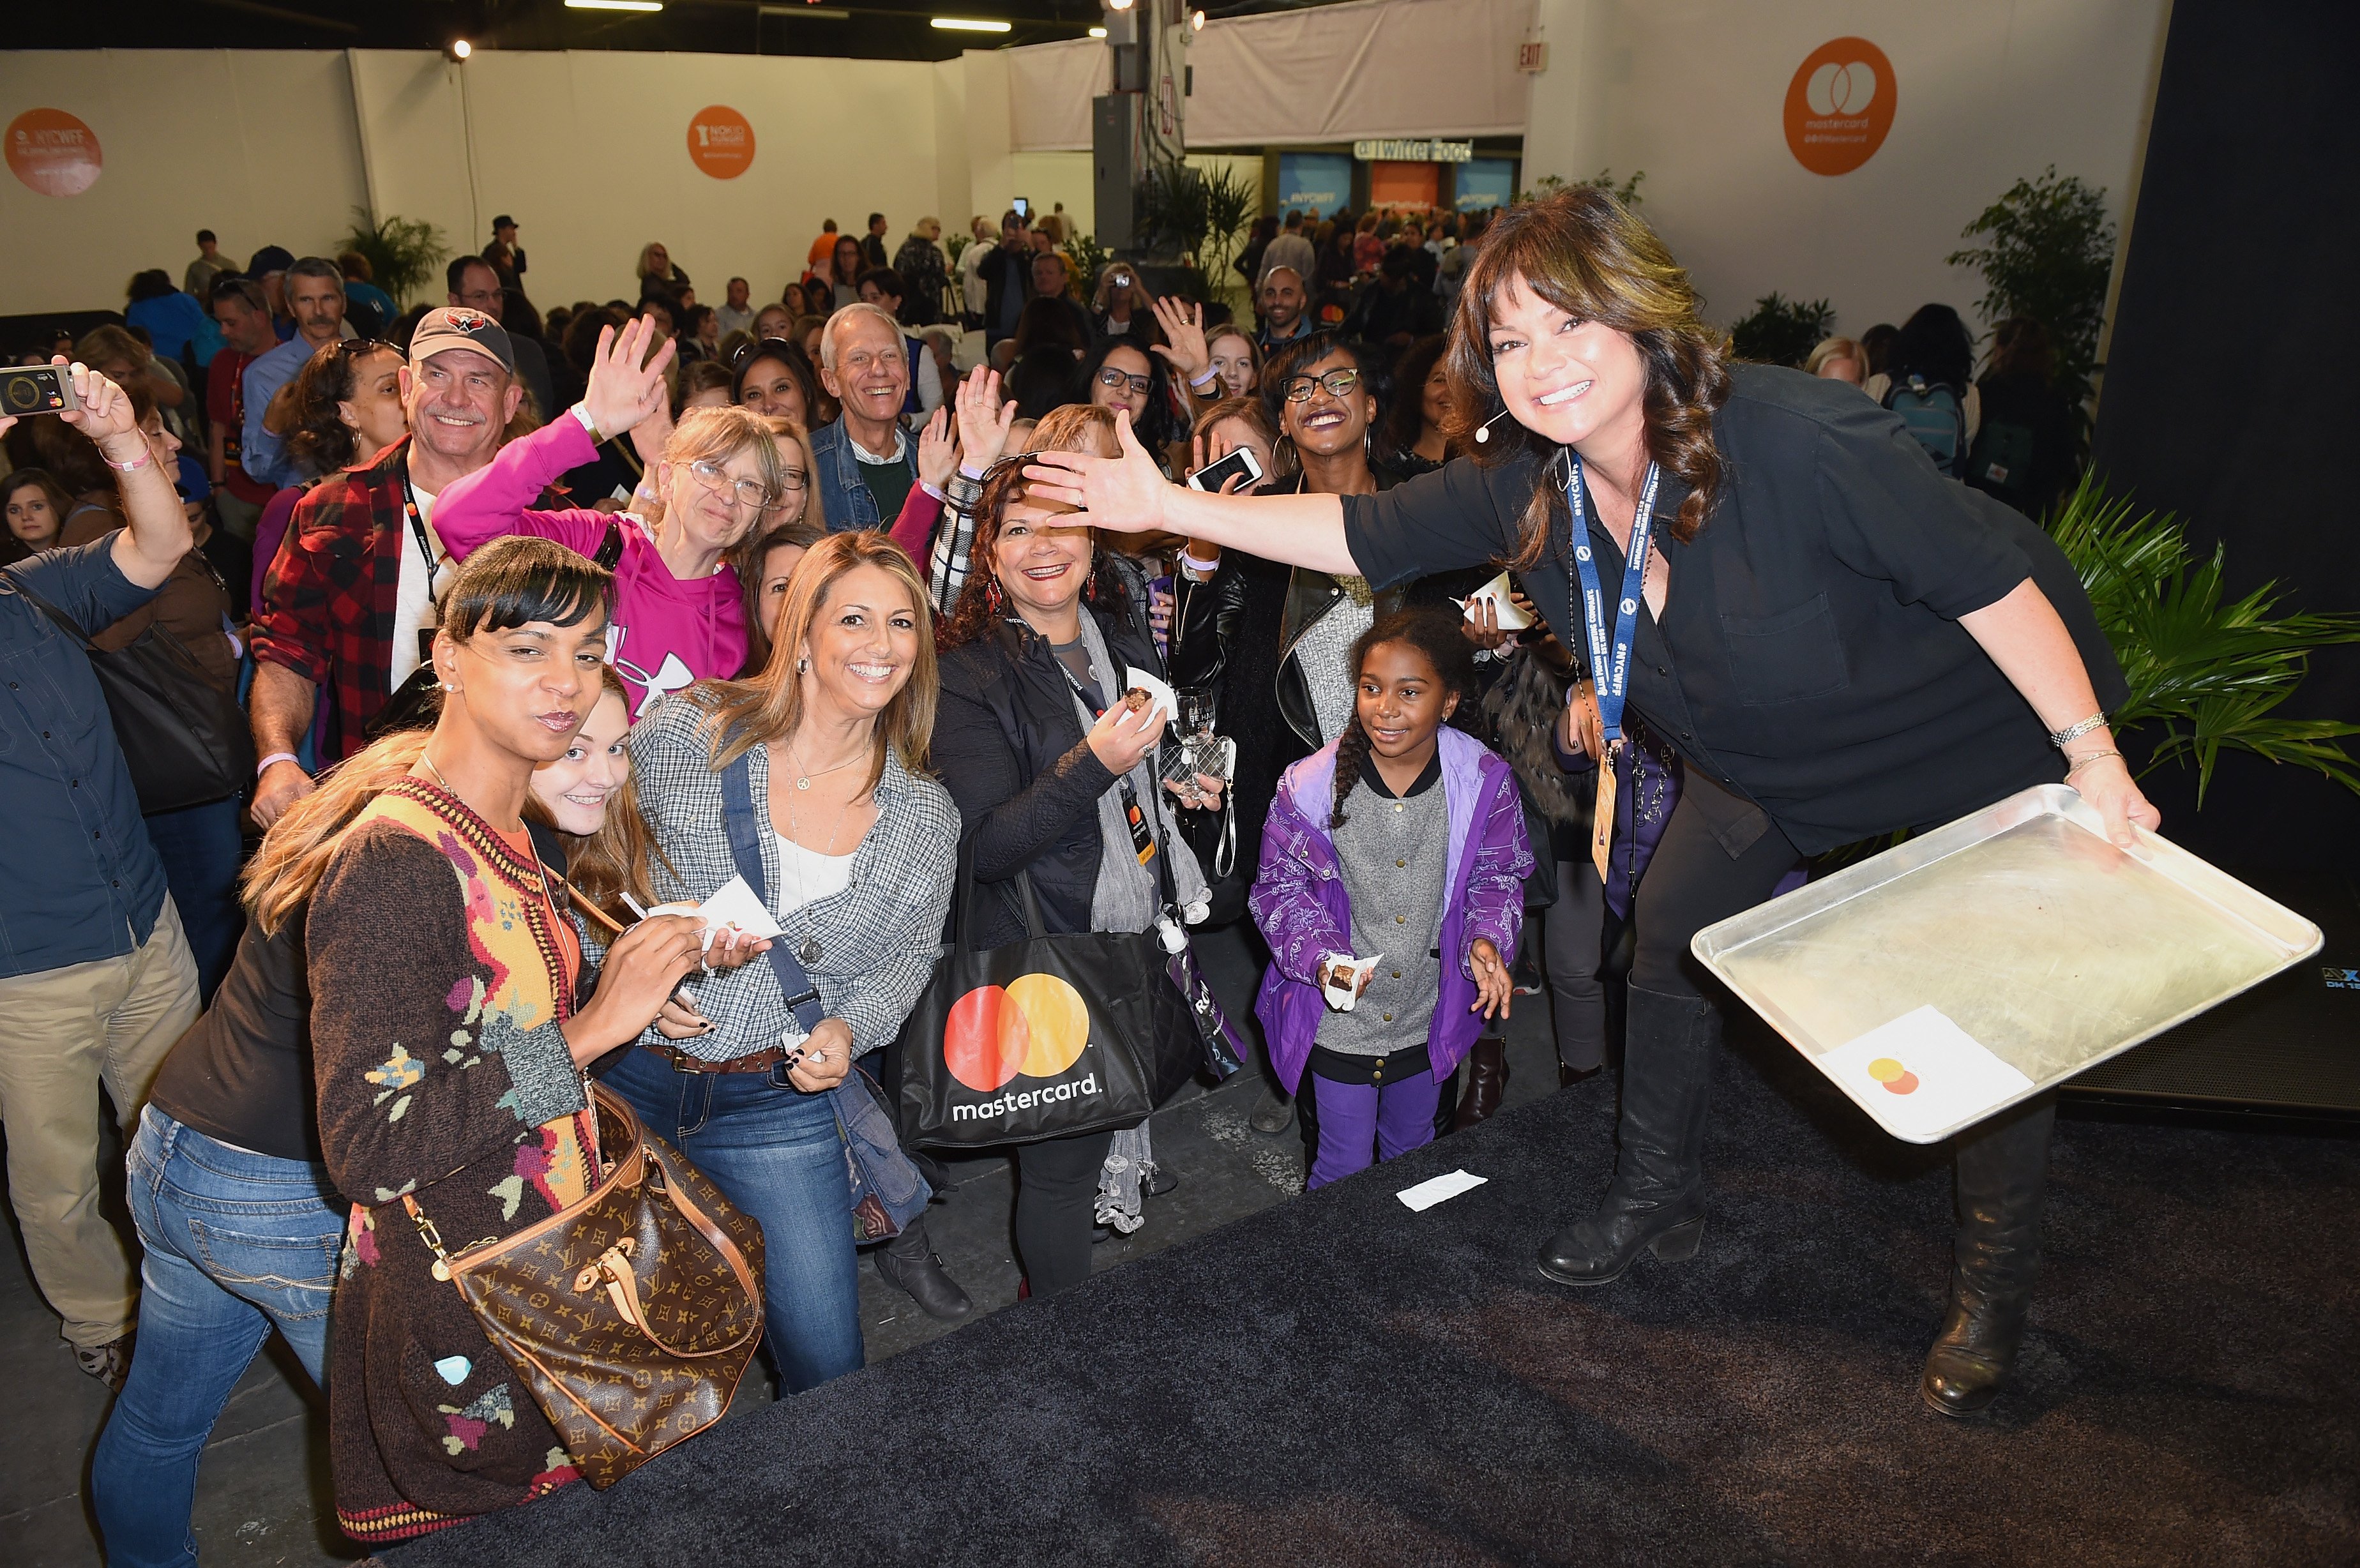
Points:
point(1531, 57)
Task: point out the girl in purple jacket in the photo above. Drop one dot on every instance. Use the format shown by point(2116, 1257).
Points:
point(1402, 842)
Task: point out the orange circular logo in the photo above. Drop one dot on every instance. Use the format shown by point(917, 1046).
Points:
point(1036, 1024)
point(720, 142)
point(1839, 105)
point(53, 153)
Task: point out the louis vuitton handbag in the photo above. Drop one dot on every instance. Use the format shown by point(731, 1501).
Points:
point(631, 1314)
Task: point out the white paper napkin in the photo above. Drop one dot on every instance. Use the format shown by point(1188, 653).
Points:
point(735, 905)
point(1425, 1194)
point(1922, 1074)
point(1511, 619)
point(1156, 687)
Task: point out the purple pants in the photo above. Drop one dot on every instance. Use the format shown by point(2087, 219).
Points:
point(1356, 1118)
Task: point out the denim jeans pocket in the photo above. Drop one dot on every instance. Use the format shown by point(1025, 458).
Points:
point(292, 1275)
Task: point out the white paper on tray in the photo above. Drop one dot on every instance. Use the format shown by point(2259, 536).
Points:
point(735, 905)
point(1156, 687)
point(1511, 619)
point(1425, 1194)
point(1922, 1074)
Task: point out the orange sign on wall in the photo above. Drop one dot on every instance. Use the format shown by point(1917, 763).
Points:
point(1839, 105)
point(1404, 184)
point(720, 142)
point(53, 153)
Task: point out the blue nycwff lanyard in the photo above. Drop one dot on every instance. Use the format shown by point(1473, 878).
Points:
point(1610, 673)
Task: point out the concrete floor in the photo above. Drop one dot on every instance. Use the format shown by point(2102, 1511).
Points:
point(263, 1495)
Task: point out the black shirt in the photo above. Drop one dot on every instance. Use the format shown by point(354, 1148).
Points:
point(1810, 654)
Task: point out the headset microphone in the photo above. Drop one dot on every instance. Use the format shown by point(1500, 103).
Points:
point(1484, 430)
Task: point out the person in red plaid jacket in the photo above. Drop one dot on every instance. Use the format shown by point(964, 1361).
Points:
point(349, 600)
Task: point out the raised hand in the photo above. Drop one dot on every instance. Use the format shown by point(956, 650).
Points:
point(106, 415)
point(1125, 493)
point(938, 452)
point(1183, 321)
point(623, 390)
point(1494, 988)
point(983, 418)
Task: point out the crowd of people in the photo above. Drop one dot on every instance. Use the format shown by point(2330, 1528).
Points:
point(511, 611)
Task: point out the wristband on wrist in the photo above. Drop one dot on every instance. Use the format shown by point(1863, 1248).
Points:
point(968, 473)
point(1191, 564)
point(589, 424)
point(1201, 382)
point(145, 456)
point(273, 760)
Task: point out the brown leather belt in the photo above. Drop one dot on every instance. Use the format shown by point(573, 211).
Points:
point(758, 1061)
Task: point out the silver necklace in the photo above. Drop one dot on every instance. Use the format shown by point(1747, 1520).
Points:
point(803, 775)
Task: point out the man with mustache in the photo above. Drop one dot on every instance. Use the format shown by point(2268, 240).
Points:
point(313, 290)
point(332, 611)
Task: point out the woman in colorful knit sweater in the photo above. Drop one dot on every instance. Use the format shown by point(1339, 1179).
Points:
point(448, 1054)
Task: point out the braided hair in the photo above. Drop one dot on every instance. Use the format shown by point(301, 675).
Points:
point(1435, 633)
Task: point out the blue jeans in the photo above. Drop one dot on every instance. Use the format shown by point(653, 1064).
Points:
point(201, 855)
point(237, 1241)
point(775, 1152)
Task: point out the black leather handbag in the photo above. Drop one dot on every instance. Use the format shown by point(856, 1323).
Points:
point(184, 739)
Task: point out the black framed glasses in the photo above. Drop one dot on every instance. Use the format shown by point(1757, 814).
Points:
point(1336, 384)
point(1115, 380)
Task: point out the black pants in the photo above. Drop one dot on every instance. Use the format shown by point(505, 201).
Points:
point(1057, 1189)
point(1719, 855)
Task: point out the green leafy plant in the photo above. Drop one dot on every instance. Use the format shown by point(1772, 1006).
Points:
point(1195, 213)
point(1626, 192)
point(2204, 675)
point(1781, 331)
point(954, 243)
point(2048, 251)
point(1085, 259)
point(403, 253)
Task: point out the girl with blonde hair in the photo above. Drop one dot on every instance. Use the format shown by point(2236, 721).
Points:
point(679, 606)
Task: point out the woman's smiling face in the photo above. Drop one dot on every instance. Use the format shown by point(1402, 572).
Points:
point(1041, 559)
point(574, 788)
point(1563, 379)
point(1325, 424)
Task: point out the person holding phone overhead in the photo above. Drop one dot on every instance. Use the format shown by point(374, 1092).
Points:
point(1838, 642)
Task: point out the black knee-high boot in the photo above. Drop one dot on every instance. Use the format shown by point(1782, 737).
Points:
point(2001, 1172)
point(1656, 1201)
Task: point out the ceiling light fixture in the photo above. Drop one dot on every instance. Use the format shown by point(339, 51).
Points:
point(969, 25)
point(1118, 4)
point(1197, 20)
point(614, 4)
point(459, 48)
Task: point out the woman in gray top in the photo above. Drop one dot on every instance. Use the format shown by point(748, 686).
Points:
point(858, 846)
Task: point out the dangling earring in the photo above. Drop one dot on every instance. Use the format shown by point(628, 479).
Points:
point(992, 600)
point(1090, 583)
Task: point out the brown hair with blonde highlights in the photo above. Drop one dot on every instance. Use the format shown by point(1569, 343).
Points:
point(1072, 427)
point(769, 706)
point(603, 865)
point(295, 853)
point(1583, 251)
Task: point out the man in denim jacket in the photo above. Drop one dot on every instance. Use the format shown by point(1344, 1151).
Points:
point(865, 462)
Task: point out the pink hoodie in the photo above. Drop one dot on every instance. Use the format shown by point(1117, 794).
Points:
point(666, 633)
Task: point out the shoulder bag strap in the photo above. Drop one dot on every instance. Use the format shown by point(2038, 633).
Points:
point(746, 849)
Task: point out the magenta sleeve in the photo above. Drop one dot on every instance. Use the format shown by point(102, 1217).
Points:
point(497, 499)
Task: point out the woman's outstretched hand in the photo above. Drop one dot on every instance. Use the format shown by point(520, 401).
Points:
point(623, 390)
point(1183, 321)
point(937, 449)
point(983, 418)
point(1126, 494)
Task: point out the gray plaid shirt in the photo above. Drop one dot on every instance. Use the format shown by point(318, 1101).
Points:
point(870, 949)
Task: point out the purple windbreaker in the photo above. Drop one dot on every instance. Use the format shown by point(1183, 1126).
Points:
point(1298, 898)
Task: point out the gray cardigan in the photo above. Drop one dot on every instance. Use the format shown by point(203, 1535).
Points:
point(870, 949)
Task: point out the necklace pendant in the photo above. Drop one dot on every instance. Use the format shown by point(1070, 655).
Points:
point(803, 783)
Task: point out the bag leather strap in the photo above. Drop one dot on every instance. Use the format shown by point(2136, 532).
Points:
point(746, 849)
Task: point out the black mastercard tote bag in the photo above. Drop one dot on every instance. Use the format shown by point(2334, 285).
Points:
point(1044, 1038)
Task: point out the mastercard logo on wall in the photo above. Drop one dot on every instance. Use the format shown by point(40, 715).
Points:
point(1036, 1026)
point(1839, 105)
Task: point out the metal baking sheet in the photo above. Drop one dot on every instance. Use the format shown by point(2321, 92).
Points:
point(2047, 947)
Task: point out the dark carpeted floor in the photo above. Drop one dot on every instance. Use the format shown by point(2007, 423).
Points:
point(1340, 1381)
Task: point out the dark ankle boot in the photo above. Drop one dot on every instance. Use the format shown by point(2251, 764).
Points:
point(1656, 1200)
point(1487, 1078)
point(909, 1261)
point(2001, 1172)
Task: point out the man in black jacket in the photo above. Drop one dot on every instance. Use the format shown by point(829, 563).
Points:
point(1007, 275)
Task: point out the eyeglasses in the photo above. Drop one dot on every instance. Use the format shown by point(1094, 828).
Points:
point(1337, 383)
point(790, 481)
point(750, 492)
point(1115, 380)
point(359, 345)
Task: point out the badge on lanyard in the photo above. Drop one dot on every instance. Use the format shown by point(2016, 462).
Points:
point(1609, 641)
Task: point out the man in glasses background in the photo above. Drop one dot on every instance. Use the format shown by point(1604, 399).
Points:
point(473, 285)
point(331, 616)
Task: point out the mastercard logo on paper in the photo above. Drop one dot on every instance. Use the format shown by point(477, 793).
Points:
point(1896, 1079)
point(1036, 1024)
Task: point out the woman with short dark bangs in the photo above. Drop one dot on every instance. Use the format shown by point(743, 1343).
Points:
point(1810, 675)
